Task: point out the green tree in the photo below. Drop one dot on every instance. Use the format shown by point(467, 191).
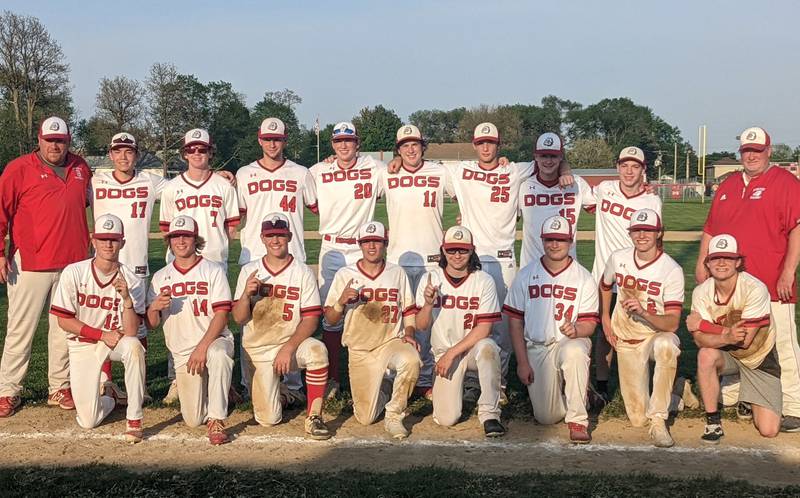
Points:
point(229, 124)
point(508, 123)
point(377, 128)
point(782, 152)
point(590, 153)
point(269, 108)
point(438, 126)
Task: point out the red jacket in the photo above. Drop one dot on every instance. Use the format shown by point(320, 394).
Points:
point(45, 214)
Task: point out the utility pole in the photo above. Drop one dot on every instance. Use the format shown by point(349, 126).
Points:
point(675, 165)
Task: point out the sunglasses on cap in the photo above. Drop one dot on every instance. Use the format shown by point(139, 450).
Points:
point(457, 251)
point(274, 225)
point(198, 149)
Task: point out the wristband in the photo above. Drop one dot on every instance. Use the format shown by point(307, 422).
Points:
point(710, 328)
point(91, 333)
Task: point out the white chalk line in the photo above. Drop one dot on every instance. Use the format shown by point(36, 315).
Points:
point(551, 446)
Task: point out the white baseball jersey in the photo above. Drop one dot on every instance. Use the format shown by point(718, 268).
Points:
point(751, 298)
point(284, 298)
point(384, 306)
point(346, 197)
point(213, 205)
point(459, 306)
point(84, 294)
point(539, 200)
point(414, 203)
point(657, 284)
point(132, 202)
point(546, 301)
point(197, 294)
point(261, 191)
point(613, 210)
point(488, 201)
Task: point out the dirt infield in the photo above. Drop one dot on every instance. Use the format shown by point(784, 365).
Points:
point(50, 437)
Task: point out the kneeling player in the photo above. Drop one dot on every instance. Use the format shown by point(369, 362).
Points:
point(552, 306)
point(277, 301)
point(644, 320)
point(458, 302)
point(378, 307)
point(99, 303)
point(192, 297)
point(731, 324)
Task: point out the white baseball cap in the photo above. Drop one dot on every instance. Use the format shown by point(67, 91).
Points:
point(632, 154)
point(485, 132)
point(549, 143)
point(754, 138)
point(122, 140)
point(408, 132)
point(182, 225)
point(344, 131)
point(457, 237)
point(54, 128)
point(275, 224)
point(723, 246)
point(108, 227)
point(272, 128)
point(373, 230)
point(645, 219)
point(557, 227)
point(197, 136)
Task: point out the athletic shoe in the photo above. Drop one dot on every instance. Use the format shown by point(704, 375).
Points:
point(659, 433)
point(290, 398)
point(595, 401)
point(745, 412)
point(578, 434)
point(790, 424)
point(172, 393)
point(133, 431)
point(689, 399)
point(110, 388)
point(503, 397)
point(8, 405)
point(471, 394)
point(424, 392)
point(216, 432)
point(395, 427)
point(331, 389)
point(62, 398)
point(712, 433)
point(493, 428)
point(316, 428)
point(234, 398)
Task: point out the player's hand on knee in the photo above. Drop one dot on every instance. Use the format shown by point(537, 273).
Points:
point(737, 333)
point(525, 373)
point(409, 339)
point(348, 294)
point(569, 330)
point(5, 269)
point(252, 285)
point(430, 291)
point(282, 364)
point(197, 361)
point(693, 321)
point(444, 364)
point(111, 337)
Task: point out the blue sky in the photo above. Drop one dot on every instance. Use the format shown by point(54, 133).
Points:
point(726, 64)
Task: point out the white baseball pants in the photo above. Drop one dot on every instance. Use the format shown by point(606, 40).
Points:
point(205, 396)
point(563, 363)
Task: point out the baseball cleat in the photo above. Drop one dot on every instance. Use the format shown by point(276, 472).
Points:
point(133, 431)
point(172, 393)
point(712, 433)
point(471, 394)
point(424, 392)
point(578, 434)
point(395, 428)
point(744, 411)
point(790, 423)
point(331, 389)
point(8, 405)
point(659, 433)
point(216, 432)
point(493, 428)
point(595, 401)
point(290, 398)
point(316, 428)
point(110, 388)
point(62, 398)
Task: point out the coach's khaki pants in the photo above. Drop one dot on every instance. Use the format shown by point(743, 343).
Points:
point(503, 273)
point(267, 409)
point(205, 396)
point(788, 356)
point(367, 372)
point(633, 362)
point(483, 358)
point(563, 363)
point(86, 360)
point(28, 292)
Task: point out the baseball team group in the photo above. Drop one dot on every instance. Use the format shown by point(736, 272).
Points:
point(423, 309)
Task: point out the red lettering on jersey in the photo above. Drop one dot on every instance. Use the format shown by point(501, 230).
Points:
point(179, 289)
point(121, 193)
point(413, 181)
point(549, 199)
point(346, 175)
point(279, 291)
point(195, 201)
point(639, 284)
point(616, 209)
point(270, 185)
point(457, 302)
point(487, 177)
point(555, 291)
point(94, 301)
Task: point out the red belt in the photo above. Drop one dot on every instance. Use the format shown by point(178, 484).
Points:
point(632, 341)
point(82, 339)
point(339, 240)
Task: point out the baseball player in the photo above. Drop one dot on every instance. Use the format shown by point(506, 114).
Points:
point(732, 324)
point(192, 298)
point(552, 307)
point(644, 321)
point(759, 208)
point(458, 303)
point(414, 205)
point(99, 302)
point(347, 190)
point(277, 301)
point(615, 202)
point(43, 210)
point(375, 300)
point(541, 196)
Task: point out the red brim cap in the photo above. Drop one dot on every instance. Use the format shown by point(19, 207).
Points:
point(755, 147)
point(644, 228)
point(631, 158)
point(371, 238)
point(107, 236)
point(55, 136)
point(731, 255)
point(181, 232)
point(556, 236)
point(275, 231)
point(485, 139)
point(457, 245)
point(271, 135)
point(549, 151)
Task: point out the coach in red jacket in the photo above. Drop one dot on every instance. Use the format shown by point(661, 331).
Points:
point(43, 207)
